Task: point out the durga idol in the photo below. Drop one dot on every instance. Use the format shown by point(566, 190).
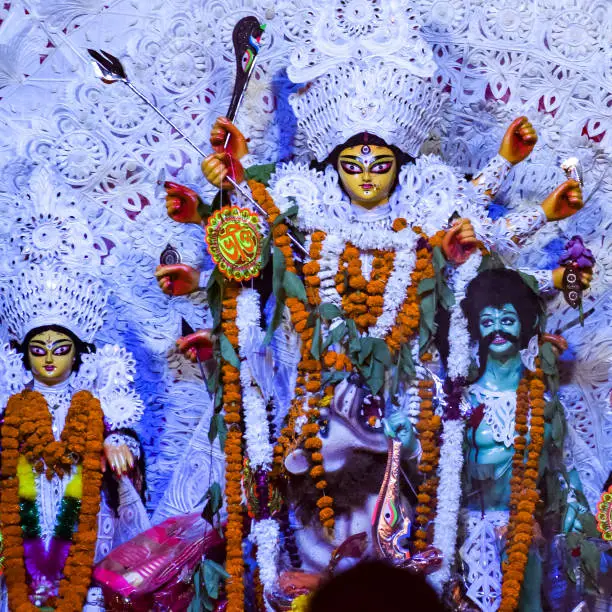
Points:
point(385, 228)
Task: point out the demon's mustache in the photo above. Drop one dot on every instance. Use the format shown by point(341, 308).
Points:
point(488, 339)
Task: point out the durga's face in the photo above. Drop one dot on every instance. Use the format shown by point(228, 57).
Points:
point(51, 355)
point(367, 173)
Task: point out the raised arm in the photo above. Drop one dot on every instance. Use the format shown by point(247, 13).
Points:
point(516, 145)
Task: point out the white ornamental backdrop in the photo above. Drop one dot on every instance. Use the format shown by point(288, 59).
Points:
point(80, 163)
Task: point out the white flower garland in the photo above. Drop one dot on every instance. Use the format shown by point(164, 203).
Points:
point(266, 536)
point(449, 496)
point(451, 451)
point(458, 336)
point(257, 435)
point(331, 249)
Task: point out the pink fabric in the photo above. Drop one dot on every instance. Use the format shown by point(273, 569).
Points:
point(150, 567)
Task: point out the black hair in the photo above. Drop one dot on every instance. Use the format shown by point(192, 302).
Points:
point(80, 347)
point(365, 138)
point(495, 288)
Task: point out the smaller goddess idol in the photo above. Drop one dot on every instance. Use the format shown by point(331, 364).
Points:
point(66, 446)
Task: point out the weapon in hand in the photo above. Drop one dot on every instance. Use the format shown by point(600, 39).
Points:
point(576, 258)
point(109, 69)
point(169, 257)
point(187, 330)
point(247, 37)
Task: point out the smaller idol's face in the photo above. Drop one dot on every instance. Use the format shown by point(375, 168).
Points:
point(501, 329)
point(367, 173)
point(52, 355)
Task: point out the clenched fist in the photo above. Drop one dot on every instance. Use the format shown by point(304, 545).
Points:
point(459, 241)
point(224, 161)
point(585, 275)
point(182, 203)
point(237, 145)
point(198, 345)
point(564, 201)
point(177, 279)
point(518, 141)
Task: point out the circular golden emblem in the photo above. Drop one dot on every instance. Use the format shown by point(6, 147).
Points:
point(604, 515)
point(234, 242)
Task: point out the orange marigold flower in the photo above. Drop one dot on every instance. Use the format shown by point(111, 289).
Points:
point(399, 224)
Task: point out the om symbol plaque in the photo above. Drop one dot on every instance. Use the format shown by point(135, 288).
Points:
point(234, 242)
point(604, 515)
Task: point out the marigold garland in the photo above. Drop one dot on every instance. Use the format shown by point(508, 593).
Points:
point(362, 300)
point(524, 496)
point(27, 431)
point(308, 383)
point(232, 406)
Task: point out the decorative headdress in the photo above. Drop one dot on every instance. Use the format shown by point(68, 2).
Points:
point(370, 70)
point(39, 296)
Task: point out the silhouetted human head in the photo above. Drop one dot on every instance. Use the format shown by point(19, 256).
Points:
point(374, 586)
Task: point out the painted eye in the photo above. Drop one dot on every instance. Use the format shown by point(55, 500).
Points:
point(486, 323)
point(508, 321)
point(382, 167)
point(37, 351)
point(60, 351)
point(350, 168)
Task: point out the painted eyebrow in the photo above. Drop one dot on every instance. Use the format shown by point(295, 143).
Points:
point(376, 157)
point(53, 344)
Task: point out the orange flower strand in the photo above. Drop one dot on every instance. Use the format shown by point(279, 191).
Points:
point(27, 426)
point(523, 496)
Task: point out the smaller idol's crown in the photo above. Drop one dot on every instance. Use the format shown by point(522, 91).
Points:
point(370, 71)
point(37, 297)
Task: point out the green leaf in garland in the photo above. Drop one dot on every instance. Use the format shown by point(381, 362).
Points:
point(427, 323)
point(549, 366)
point(227, 351)
point(214, 574)
point(406, 361)
point(558, 430)
point(217, 428)
point(376, 379)
point(294, 287)
point(365, 350)
point(278, 289)
point(380, 352)
point(315, 351)
point(214, 500)
point(335, 335)
point(426, 285)
point(491, 261)
point(204, 210)
point(214, 295)
point(260, 173)
point(332, 377)
point(531, 282)
point(266, 250)
point(329, 312)
point(286, 216)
